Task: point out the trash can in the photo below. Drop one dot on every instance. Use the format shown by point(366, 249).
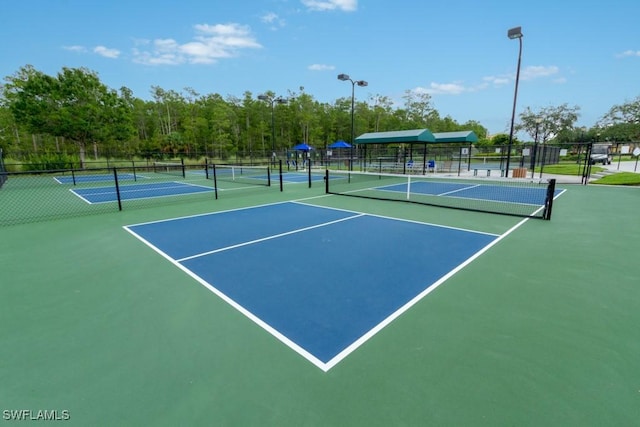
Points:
point(520, 173)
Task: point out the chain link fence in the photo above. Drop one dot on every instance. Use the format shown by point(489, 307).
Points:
point(43, 195)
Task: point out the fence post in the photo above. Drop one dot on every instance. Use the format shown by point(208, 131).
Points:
point(115, 178)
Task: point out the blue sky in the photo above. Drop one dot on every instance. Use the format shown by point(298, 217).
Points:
point(584, 54)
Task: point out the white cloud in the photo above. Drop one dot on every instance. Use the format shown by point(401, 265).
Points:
point(75, 48)
point(321, 67)
point(269, 18)
point(453, 88)
point(446, 88)
point(628, 53)
point(533, 72)
point(322, 5)
point(106, 52)
point(526, 73)
point(497, 80)
point(273, 20)
point(210, 44)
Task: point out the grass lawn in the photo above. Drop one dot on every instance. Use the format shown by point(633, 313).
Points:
point(621, 178)
point(569, 169)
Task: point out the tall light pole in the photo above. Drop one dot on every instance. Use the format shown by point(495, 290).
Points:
point(362, 83)
point(514, 33)
point(272, 100)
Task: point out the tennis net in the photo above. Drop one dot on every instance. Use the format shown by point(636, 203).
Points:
point(240, 174)
point(170, 168)
point(509, 197)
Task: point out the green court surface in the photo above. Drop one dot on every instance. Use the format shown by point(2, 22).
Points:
point(540, 330)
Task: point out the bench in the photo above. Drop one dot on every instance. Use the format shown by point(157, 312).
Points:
point(488, 168)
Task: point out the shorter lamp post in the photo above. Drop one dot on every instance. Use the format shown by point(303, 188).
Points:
point(362, 83)
point(272, 100)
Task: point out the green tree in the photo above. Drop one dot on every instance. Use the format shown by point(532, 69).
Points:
point(549, 123)
point(621, 122)
point(419, 110)
point(74, 105)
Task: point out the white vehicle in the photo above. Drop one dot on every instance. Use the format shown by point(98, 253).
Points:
point(601, 153)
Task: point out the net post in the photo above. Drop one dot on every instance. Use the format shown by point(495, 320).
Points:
point(184, 175)
point(115, 179)
point(3, 170)
point(587, 165)
point(326, 181)
point(206, 168)
point(133, 168)
point(73, 176)
point(268, 176)
point(309, 171)
point(215, 180)
point(548, 204)
point(280, 170)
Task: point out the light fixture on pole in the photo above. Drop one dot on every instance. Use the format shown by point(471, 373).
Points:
point(362, 83)
point(514, 33)
point(272, 100)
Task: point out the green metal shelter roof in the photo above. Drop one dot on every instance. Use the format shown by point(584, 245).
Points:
point(416, 136)
point(397, 136)
point(463, 136)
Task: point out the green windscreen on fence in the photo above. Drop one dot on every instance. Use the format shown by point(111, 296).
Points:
point(523, 198)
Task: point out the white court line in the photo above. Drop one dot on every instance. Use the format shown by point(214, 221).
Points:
point(207, 213)
point(396, 219)
point(274, 332)
point(353, 346)
point(275, 236)
point(459, 189)
point(325, 367)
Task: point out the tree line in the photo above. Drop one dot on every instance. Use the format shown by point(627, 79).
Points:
point(73, 113)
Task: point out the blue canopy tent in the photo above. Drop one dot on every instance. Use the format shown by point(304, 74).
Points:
point(340, 144)
point(303, 146)
point(341, 148)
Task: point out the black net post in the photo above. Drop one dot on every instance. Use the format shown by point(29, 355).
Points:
point(115, 179)
point(184, 175)
point(280, 170)
point(326, 181)
point(587, 165)
point(548, 204)
point(215, 180)
point(268, 176)
point(309, 171)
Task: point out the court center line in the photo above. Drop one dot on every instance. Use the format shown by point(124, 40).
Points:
point(275, 236)
point(373, 331)
point(459, 189)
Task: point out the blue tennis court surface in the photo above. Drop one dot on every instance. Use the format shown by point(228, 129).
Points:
point(320, 280)
point(68, 179)
point(301, 177)
point(138, 191)
point(496, 193)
